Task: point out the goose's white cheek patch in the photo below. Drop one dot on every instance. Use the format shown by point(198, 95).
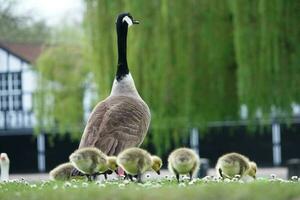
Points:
point(128, 20)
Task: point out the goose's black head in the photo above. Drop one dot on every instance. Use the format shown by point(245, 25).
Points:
point(125, 20)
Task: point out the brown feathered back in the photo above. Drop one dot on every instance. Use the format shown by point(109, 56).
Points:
point(117, 123)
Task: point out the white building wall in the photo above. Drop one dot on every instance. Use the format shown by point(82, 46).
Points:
point(29, 86)
point(29, 81)
point(3, 61)
point(26, 66)
point(22, 118)
point(14, 63)
point(1, 119)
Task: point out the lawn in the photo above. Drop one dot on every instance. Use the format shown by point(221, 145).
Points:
point(263, 189)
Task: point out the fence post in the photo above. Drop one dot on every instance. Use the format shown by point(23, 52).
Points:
point(41, 153)
point(195, 145)
point(194, 140)
point(276, 138)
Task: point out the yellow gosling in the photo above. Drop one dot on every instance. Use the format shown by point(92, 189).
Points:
point(62, 172)
point(135, 162)
point(234, 164)
point(183, 161)
point(89, 161)
point(112, 164)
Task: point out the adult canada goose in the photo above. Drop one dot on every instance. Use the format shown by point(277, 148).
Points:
point(183, 161)
point(136, 161)
point(232, 164)
point(4, 163)
point(122, 119)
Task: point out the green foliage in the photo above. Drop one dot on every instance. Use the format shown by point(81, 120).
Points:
point(181, 57)
point(20, 28)
point(60, 90)
point(197, 61)
point(193, 62)
point(266, 37)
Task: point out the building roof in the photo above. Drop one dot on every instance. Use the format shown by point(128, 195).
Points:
point(28, 52)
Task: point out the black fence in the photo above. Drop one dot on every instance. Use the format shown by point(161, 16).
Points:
point(257, 145)
point(254, 142)
point(22, 151)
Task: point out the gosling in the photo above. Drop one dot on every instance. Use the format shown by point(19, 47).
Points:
point(112, 164)
point(183, 161)
point(62, 172)
point(135, 162)
point(235, 165)
point(90, 161)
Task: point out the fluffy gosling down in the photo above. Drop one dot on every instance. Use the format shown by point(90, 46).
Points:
point(112, 164)
point(92, 162)
point(234, 164)
point(135, 162)
point(183, 161)
point(62, 172)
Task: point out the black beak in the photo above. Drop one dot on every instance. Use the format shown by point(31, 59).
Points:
point(158, 172)
point(135, 21)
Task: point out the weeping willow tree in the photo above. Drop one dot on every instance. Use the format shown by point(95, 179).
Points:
point(193, 62)
point(181, 57)
point(266, 38)
point(59, 96)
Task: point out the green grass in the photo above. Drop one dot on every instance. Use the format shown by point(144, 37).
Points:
point(152, 190)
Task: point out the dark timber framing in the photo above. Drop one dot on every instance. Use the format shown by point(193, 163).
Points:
point(21, 128)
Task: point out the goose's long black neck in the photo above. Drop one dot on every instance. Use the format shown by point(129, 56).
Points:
point(122, 48)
